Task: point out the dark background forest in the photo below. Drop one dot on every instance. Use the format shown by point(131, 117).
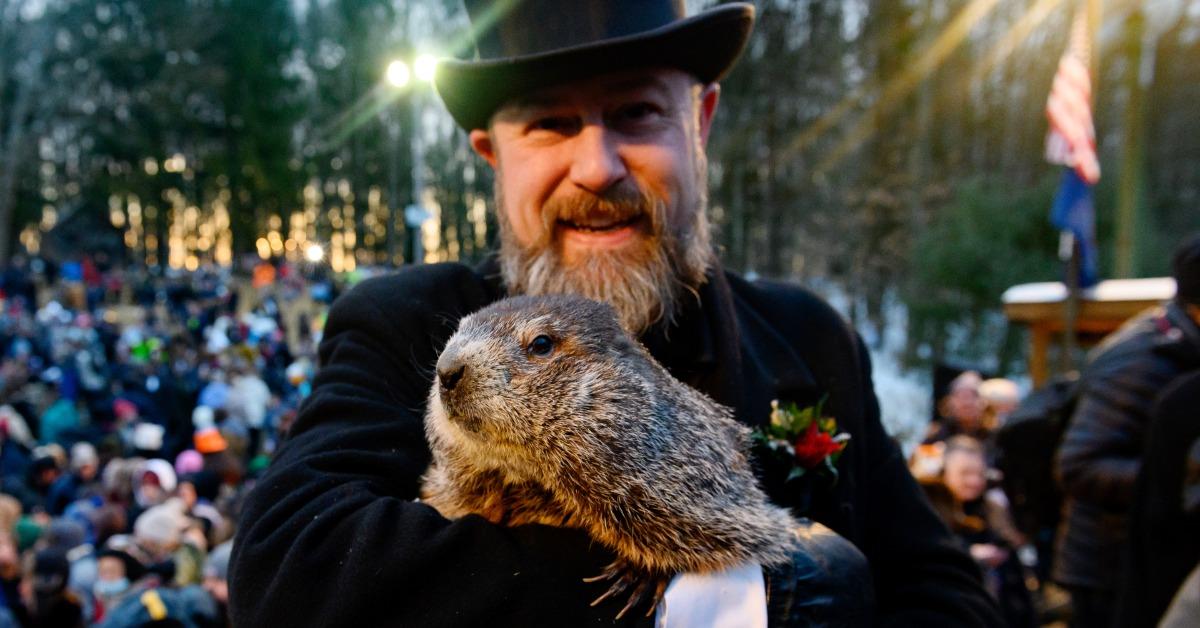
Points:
point(890, 150)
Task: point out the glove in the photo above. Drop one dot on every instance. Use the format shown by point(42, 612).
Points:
point(828, 583)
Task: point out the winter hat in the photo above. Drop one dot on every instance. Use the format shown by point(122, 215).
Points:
point(1185, 268)
point(50, 571)
point(134, 569)
point(52, 451)
point(188, 461)
point(206, 483)
point(148, 436)
point(161, 525)
point(65, 534)
point(124, 409)
point(203, 418)
point(83, 454)
point(210, 441)
point(161, 470)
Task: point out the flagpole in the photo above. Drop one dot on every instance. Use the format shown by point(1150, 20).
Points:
point(1071, 305)
point(1070, 247)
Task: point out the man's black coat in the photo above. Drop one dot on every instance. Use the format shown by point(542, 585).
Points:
point(330, 535)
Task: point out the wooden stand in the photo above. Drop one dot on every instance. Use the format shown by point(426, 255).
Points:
point(1101, 310)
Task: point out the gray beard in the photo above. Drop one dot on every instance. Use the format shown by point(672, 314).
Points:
point(645, 282)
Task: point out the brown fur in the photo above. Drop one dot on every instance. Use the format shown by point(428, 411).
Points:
point(598, 436)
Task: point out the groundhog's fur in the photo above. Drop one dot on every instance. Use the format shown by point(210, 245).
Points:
point(594, 435)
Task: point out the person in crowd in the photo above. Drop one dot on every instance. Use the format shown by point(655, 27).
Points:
point(216, 579)
point(69, 486)
point(51, 604)
point(116, 571)
point(1164, 520)
point(979, 517)
point(1101, 451)
point(62, 415)
point(14, 456)
point(70, 537)
point(10, 576)
point(961, 410)
point(1000, 398)
point(33, 488)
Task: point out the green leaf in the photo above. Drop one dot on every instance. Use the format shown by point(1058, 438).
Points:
point(832, 469)
point(796, 472)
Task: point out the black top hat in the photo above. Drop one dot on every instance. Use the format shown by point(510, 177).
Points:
point(525, 45)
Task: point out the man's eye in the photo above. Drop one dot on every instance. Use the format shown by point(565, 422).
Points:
point(541, 346)
point(554, 124)
point(637, 112)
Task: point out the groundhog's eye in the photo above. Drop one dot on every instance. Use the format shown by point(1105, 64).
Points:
point(541, 346)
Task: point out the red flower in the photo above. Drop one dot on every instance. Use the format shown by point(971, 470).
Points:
point(814, 446)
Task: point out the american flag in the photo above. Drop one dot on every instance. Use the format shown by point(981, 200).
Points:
point(1071, 140)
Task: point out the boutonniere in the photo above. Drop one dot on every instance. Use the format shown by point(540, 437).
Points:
point(805, 438)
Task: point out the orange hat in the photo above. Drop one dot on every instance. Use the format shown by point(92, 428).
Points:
point(210, 441)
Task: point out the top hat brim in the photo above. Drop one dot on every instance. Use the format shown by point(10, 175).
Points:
point(705, 45)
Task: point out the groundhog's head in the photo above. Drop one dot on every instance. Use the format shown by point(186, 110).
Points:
point(528, 371)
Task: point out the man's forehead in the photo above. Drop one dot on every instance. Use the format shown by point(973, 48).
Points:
point(665, 80)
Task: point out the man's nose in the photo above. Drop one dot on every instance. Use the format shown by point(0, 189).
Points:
point(597, 165)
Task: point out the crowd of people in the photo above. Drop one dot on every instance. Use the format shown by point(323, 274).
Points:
point(956, 465)
point(136, 410)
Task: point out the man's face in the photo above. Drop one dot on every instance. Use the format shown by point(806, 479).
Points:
point(600, 185)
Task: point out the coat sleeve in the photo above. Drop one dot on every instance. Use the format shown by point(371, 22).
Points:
point(1101, 449)
point(922, 575)
point(330, 536)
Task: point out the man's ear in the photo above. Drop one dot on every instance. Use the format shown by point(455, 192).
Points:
point(481, 143)
point(709, 96)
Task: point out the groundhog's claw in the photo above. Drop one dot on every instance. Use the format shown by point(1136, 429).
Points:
point(624, 576)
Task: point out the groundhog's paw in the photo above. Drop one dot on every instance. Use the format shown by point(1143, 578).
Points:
point(623, 577)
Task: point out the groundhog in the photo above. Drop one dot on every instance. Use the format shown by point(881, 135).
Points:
point(544, 410)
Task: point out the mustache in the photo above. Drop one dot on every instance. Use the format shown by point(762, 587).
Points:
point(619, 204)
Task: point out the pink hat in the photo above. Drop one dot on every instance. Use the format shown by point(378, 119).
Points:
point(124, 409)
point(189, 461)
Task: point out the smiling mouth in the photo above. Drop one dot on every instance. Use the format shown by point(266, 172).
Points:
point(599, 225)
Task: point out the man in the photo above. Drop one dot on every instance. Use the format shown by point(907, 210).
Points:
point(85, 463)
point(594, 116)
point(1164, 547)
point(1101, 451)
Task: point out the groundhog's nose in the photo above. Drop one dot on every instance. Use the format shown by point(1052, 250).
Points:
point(450, 371)
point(450, 378)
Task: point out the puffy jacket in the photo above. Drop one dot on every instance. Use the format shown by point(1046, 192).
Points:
point(1100, 455)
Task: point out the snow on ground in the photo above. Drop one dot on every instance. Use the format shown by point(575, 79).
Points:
point(905, 395)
